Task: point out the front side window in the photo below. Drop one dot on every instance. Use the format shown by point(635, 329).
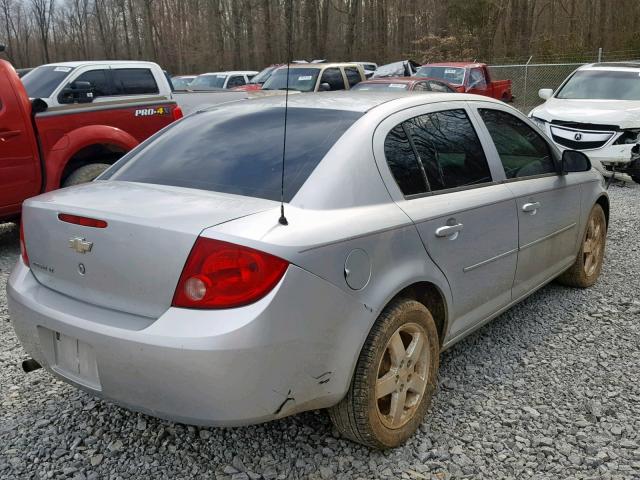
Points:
point(403, 163)
point(333, 76)
point(210, 151)
point(134, 81)
point(476, 78)
point(353, 75)
point(99, 80)
point(449, 149)
point(523, 152)
point(235, 81)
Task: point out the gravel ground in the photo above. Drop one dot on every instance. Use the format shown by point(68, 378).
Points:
point(549, 390)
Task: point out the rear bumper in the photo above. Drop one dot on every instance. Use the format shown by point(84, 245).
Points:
point(293, 350)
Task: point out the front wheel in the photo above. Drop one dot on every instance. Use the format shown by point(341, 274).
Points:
point(394, 380)
point(586, 269)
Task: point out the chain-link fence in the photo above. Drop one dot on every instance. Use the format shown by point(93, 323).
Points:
point(529, 76)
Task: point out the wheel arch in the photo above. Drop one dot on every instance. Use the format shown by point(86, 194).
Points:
point(603, 201)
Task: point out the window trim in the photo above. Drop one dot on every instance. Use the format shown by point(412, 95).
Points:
point(476, 106)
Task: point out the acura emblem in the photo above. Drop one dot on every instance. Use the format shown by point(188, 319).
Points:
point(578, 136)
point(80, 245)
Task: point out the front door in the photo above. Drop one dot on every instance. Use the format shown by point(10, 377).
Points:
point(548, 203)
point(19, 167)
point(467, 222)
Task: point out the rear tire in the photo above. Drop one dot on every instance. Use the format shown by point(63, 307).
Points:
point(394, 379)
point(588, 265)
point(85, 174)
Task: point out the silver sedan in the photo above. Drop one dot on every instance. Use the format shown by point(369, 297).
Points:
point(173, 285)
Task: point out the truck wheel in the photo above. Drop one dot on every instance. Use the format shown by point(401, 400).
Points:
point(85, 174)
point(586, 269)
point(394, 379)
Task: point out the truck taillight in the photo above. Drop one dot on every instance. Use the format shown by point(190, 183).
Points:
point(224, 275)
point(177, 113)
point(23, 246)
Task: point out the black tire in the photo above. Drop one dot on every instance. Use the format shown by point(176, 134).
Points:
point(582, 273)
point(359, 415)
point(85, 174)
point(635, 178)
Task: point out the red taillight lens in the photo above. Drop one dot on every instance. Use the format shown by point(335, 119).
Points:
point(177, 113)
point(84, 221)
point(223, 275)
point(23, 246)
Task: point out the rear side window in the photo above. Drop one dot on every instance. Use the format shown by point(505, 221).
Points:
point(449, 149)
point(134, 81)
point(333, 76)
point(210, 151)
point(99, 80)
point(523, 152)
point(403, 162)
point(353, 75)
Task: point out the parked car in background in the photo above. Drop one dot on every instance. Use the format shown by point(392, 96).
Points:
point(170, 286)
point(597, 110)
point(256, 82)
point(468, 78)
point(81, 118)
point(221, 80)
point(316, 77)
point(369, 68)
point(410, 84)
point(405, 68)
point(182, 82)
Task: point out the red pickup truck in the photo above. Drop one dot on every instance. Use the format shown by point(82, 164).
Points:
point(87, 117)
point(468, 78)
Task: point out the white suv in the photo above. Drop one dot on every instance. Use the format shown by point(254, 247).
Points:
point(597, 110)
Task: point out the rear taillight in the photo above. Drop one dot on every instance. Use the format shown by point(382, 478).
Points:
point(177, 113)
point(84, 221)
point(224, 275)
point(23, 246)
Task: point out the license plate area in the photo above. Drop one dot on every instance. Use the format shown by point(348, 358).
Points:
point(73, 359)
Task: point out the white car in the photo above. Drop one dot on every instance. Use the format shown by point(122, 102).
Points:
point(222, 80)
point(597, 110)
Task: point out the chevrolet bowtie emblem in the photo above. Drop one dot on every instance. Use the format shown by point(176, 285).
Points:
point(80, 245)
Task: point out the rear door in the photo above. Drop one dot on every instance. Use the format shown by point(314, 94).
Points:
point(19, 164)
point(436, 169)
point(548, 203)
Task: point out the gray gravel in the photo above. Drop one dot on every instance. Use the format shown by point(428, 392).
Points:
point(549, 390)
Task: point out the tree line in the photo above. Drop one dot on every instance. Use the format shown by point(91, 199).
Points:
point(192, 36)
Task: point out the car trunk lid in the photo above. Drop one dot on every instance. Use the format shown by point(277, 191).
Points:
point(134, 263)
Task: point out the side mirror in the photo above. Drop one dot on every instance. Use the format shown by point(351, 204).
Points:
point(545, 93)
point(77, 92)
point(38, 106)
point(324, 87)
point(574, 161)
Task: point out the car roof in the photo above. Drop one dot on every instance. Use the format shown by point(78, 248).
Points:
point(453, 64)
point(612, 66)
point(395, 80)
point(99, 62)
point(231, 72)
point(355, 101)
point(322, 65)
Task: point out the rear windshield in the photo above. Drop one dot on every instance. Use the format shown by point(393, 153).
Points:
point(453, 75)
point(238, 149)
point(302, 79)
point(42, 81)
point(381, 86)
point(208, 81)
point(603, 85)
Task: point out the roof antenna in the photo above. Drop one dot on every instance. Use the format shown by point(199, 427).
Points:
point(283, 220)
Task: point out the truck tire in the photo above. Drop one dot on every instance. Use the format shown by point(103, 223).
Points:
point(394, 379)
point(586, 269)
point(85, 174)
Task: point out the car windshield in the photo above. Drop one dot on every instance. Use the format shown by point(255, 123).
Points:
point(602, 85)
point(302, 79)
point(181, 83)
point(210, 151)
point(208, 81)
point(453, 75)
point(42, 81)
point(263, 76)
point(380, 86)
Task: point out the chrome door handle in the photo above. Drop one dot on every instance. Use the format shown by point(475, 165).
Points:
point(531, 207)
point(450, 231)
